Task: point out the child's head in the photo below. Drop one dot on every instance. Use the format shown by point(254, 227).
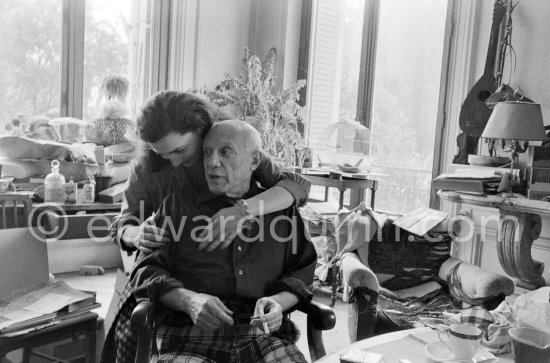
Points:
point(115, 87)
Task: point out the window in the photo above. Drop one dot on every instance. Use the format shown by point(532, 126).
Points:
point(55, 54)
point(30, 43)
point(374, 71)
point(106, 47)
point(405, 99)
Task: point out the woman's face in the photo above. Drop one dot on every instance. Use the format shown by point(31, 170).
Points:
point(179, 148)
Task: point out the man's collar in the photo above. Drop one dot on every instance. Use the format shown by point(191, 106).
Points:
point(204, 194)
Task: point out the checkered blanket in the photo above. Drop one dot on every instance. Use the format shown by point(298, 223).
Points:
point(120, 342)
point(494, 324)
point(242, 342)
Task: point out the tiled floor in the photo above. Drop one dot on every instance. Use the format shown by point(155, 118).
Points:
point(334, 339)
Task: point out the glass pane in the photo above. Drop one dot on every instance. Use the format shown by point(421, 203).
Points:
point(406, 95)
point(352, 39)
point(29, 63)
point(106, 48)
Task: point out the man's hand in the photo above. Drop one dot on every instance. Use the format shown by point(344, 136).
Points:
point(225, 227)
point(208, 312)
point(269, 311)
point(146, 237)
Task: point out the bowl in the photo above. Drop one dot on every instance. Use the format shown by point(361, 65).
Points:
point(530, 345)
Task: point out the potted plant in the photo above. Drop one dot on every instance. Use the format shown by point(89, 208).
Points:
point(252, 96)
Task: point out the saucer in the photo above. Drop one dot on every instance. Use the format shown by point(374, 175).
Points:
point(438, 352)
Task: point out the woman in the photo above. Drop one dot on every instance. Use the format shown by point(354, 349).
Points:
point(172, 125)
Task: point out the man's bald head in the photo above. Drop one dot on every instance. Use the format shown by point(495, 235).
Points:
point(232, 151)
point(244, 133)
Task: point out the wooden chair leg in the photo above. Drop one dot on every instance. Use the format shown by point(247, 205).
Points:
point(314, 340)
point(334, 284)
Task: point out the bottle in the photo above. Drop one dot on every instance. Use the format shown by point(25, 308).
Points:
point(88, 190)
point(54, 185)
point(70, 192)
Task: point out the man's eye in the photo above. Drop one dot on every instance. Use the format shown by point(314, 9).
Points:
point(226, 151)
point(206, 152)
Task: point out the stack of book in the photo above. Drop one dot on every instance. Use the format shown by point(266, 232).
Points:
point(476, 181)
point(42, 306)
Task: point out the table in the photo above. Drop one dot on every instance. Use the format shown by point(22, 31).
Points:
point(85, 324)
point(520, 224)
point(332, 178)
point(408, 344)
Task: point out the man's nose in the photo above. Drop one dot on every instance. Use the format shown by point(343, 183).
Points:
point(213, 160)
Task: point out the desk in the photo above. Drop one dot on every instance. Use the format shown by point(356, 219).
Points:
point(85, 324)
point(357, 183)
point(519, 225)
point(414, 348)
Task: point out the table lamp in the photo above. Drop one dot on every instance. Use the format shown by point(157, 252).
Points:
point(515, 121)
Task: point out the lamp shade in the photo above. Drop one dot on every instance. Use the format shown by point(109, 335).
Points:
point(515, 121)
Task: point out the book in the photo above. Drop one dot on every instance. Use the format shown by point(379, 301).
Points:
point(459, 185)
point(468, 180)
point(42, 304)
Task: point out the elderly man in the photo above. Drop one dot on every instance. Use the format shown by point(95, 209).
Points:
point(228, 305)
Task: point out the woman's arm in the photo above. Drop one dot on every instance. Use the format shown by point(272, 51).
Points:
point(131, 229)
point(285, 188)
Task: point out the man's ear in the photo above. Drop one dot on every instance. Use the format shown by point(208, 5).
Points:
point(256, 159)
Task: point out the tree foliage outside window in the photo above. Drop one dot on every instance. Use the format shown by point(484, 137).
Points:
point(30, 61)
point(30, 43)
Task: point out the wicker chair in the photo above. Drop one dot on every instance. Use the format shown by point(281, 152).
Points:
point(364, 272)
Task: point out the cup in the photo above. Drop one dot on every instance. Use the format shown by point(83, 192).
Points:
point(530, 345)
point(464, 340)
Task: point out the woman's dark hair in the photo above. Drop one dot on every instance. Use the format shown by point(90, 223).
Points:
point(173, 111)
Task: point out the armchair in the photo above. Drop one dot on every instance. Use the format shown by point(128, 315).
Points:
point(381, 261)
point(319, 318)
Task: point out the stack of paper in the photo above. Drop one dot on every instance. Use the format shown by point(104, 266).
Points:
point(478, 181)
point(420, 221)
point(42, 306)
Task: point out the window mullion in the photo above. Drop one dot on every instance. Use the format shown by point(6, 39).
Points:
point(160, 46)
point(368, 61)
point(72, 58)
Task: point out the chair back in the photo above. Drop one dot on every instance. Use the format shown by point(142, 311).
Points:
point(14, 210)
point(23, 260)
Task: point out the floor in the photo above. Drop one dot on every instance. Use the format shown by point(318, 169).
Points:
point(334, 340)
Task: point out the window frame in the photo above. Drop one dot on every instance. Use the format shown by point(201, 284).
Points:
point(451, 74)
point(72, 58)
point(158, 13)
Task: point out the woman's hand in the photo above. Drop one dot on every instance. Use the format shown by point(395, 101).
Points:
point(146, 237)
point(226, 225)
point(267, 311)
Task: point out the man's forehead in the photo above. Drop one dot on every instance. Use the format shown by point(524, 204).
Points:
point(219, 135)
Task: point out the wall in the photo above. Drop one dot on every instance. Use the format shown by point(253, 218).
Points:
point(277, 24)
point(531, 45)
point(208, 38)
